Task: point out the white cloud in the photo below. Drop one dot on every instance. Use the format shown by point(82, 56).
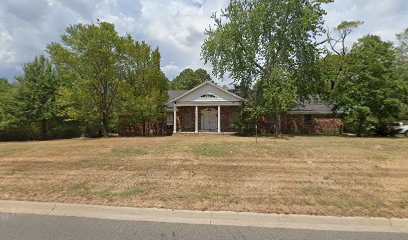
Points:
point(171, 70)
point(6, 52)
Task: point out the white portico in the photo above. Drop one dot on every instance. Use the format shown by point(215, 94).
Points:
point(205, 108)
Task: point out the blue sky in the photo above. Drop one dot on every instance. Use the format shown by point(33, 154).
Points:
point(176, 27)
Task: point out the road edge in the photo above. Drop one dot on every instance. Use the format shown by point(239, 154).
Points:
point(247, 219)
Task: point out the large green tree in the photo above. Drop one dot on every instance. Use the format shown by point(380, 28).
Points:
point(188, 79)
point(333, 65)
point(402, 63)
point(74, 102)
point(7, 104)
point(145, 89)
point(90, 58)
point(36, 94)
point(268, 41)
point(203, 75)
point(368, 87)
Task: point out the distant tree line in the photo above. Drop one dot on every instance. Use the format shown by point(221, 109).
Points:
point(93, 78)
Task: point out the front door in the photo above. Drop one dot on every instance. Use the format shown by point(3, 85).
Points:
point(209, 119)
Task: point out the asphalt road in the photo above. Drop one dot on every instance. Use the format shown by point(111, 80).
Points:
point(37, 227)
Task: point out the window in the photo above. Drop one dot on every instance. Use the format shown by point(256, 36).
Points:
point(307, 118)
point(170, 119)
point(208, 95)
point(188, 120)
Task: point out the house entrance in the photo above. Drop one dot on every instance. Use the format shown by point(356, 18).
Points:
point(209, 119)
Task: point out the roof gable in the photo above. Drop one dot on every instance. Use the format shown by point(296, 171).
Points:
point(207, 92)
point(175, 93)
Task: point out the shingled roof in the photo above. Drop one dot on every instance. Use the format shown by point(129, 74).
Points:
point(315, 106)
point(174, 94)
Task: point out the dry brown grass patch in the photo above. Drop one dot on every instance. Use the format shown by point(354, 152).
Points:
point(302, 175)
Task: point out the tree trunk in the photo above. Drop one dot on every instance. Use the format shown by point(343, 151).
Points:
point(359, 128)
point(85, 131)
point(43, 129)
point(278, 124)
point(105, 109)
point(105, 125)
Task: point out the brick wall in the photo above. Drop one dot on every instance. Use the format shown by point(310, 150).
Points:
point(295, 123)
point(185, 119)
point(327, 125)
point(319, 123)
point(228, 114)
point(266, 125)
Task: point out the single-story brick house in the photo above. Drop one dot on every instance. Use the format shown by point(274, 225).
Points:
point(210, 108)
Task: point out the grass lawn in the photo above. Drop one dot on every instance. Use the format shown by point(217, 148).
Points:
point(302, 175)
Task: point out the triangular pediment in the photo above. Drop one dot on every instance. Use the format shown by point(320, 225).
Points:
point(207, 92)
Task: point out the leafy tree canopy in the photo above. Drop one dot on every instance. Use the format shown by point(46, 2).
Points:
point(402, 46)
point(367, 86)
point(188, 79)
point(36, 93)
point(107, 75)
point(145, 88)
point(402, 68)
point(7, 104)
point(268, 40)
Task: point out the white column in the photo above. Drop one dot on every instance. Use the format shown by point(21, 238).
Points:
point(175, 119)
point(196, 119)
point(219, 119)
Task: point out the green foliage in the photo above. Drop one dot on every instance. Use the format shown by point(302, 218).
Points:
point(402, 48)
point(349, 25)
point(334, 63)
point(332, 68)
point(36, 94)
point(101, 76)
point(107, 76)
point(89, 59)
point(365, 80)
point(144, 91)
point(255, 40)
point(276, 94)
point(402, 64)
point(72, 102)
point(28, 106)
point(242, 120)
point(188, 79)
point(359, 120)
point(372, 69)
point(339, 35)
point(203, 75)
point(7, 104)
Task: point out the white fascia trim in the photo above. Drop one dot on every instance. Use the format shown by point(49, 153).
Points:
point(205, 83)
point(208, 104)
